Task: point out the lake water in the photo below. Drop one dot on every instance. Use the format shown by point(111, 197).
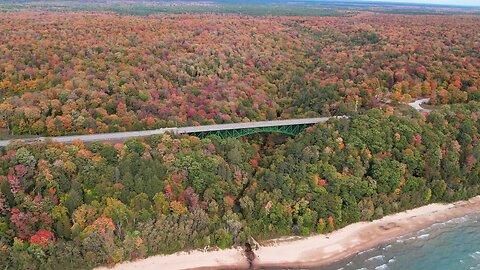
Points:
point(451, 245)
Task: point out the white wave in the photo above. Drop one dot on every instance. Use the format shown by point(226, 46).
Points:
point(458, 220)
point(381, 267)
point(475, 255)
point(423, 236)
point(379, 257)
point(368, 250)
point(411, 238)
point(392, 260)
point(426, 229)
point(387, 247)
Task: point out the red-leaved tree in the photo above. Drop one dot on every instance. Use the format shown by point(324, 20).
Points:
point(42, 238)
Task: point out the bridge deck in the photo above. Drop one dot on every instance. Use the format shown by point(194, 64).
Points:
point(180, 130)
point(260, 124)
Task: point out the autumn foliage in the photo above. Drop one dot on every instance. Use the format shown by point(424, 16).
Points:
point(81, 205)
point(101, 203)
point(67, 73)
point(42, 238)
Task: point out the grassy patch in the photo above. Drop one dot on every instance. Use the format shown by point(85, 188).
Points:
point(145, 9)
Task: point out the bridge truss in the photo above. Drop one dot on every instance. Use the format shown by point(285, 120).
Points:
point(290, 130)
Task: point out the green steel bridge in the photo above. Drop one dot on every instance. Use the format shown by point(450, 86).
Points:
point(235, 130)
point(236, 133)
point(290, 127)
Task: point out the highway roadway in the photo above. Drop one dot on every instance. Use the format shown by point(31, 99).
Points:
point(416, 104)
point(121, 136)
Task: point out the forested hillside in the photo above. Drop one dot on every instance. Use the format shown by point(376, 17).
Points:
point(78, 206)
point(64, 73)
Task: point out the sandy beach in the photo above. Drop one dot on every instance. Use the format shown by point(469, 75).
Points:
point(315, 250)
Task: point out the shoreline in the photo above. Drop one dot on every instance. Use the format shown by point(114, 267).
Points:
point(313, 251)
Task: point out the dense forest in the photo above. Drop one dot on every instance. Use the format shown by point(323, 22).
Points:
point(78, 206)
point(65, 73)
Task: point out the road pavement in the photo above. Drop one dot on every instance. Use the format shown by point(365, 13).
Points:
point(121, 136)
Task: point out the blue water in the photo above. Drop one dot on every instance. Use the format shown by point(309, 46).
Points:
point(452, 245)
